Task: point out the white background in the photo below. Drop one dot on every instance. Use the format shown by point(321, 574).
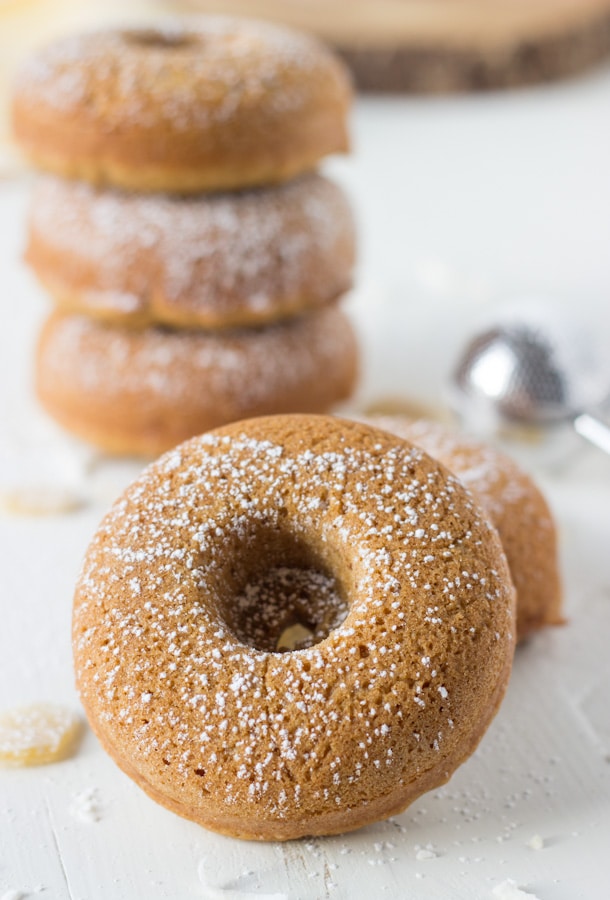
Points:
point(462, 203)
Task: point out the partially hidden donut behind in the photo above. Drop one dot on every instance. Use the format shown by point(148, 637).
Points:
point(212, 261)
point(225, 104)
point(143, 391)
point(414, 627)
point(514, 504)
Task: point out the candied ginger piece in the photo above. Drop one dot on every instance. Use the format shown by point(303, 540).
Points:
point(294, 638)
point(37, 734)
point(40, 501)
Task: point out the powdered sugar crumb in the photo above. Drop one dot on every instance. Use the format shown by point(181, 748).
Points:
point(536, 842)
point(86, 806)
point(509, 890)
point(242, 887)
point(21, 894)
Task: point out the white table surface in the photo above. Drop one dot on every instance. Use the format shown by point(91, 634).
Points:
point(462, 203)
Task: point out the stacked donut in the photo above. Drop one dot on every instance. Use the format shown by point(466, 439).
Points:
point(194, 256)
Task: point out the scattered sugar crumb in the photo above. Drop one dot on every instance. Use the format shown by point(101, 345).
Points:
point(509, 890)
point(15, 894)
point(231, 889)
point(229, 893)
point(425, 853)
point(37, 734)
point(536, 842)
point(86, 806)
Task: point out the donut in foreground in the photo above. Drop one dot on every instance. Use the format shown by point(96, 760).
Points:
point(142, 392)
point(514, 505)
point(228, 104)
point(367, 549)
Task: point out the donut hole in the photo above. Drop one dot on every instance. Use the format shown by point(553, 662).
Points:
point(284, 597)
point(289, 608)
point(155, 39)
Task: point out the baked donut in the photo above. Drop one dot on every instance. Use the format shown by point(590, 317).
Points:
point(142, 392)
point(226, 104)
point(414, 633)
point(515, 506)
point(216, 261)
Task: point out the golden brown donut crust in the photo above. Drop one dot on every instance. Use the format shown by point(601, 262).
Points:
point(272, 746)
point(142, 392)
point(515, 506)
point(228, 104)
point(212, 261)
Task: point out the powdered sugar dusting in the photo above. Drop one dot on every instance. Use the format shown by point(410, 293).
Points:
point(186, 78)
point(158, 660)
point(479, 466)
point(509, 890)
point(514, 504)
point(218, 259)
point(216, 376)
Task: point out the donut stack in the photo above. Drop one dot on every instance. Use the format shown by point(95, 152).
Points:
point(194, 256)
